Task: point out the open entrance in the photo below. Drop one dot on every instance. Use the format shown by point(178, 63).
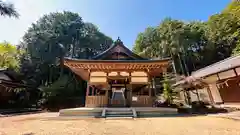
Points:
point(118, 92)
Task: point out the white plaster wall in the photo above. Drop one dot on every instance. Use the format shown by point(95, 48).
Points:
point(215, 93)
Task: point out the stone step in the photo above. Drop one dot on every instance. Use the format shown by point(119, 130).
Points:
point(118, 109)
point(117, 115)
point(119, 112)
point(118, 118)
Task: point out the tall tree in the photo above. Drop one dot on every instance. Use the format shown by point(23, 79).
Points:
point(233, 10)
point(166, 40)
point(198, 45)
point(68, 29)
point(147, 44)
point(193, 45)
point(58, 35)
point(185, 42)
point(222, 34)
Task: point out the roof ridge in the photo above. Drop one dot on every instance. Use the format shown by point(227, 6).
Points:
point(214, 64)
point(116, 43)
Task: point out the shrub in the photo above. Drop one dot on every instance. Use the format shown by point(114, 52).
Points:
point(199, 107)
point(64, 93)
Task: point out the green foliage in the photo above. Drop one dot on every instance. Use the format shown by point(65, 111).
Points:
point(52, 37)
point(146, 42)
point(167, 90)
point(9, 56)
point(184, 42)
point(79, 39)
point(236, 50)
point(7, 9)
point(223, 32)
point(233, 10)
point(191, 43)
point(67, 91)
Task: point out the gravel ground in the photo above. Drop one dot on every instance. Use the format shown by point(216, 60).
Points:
point(39, 124)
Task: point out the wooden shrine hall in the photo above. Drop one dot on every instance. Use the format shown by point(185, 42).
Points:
point(119, 78)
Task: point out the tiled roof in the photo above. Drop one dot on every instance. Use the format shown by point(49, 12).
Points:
point(118, 45)
point(220, 66)
point(229, 63)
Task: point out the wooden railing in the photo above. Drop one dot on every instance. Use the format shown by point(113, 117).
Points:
point(143, 101)
point(96, 101)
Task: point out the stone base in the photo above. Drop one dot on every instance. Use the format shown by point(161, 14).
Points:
point(97, 112)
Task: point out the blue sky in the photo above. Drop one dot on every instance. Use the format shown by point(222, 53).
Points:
point(123, 18)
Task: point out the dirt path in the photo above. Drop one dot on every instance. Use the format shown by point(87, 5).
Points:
point(37, 124)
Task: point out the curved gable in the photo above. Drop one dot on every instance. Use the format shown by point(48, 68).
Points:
point(118, 52)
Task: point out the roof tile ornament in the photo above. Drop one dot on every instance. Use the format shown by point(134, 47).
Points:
point(119, 41)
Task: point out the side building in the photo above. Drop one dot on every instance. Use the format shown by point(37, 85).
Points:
point(220, 82)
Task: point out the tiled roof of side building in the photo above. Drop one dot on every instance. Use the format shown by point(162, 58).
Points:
point(229, 63)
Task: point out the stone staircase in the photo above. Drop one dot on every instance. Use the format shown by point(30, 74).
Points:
point(119, 113)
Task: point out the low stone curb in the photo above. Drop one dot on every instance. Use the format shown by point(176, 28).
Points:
point(226, 116)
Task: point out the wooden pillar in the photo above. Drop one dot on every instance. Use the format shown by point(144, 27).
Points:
point(153, 88)
point(88, 85)
point(106, 94)
point(93, 89)
point(87, 93)
point(130, 95)
point(164, 71)
point(174, 67)
point(153, 82)
point(210, 95)
point(150, 94)
point(197, 94)
point(149, 90)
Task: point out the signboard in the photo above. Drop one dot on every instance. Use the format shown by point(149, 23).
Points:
point(134, 99)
